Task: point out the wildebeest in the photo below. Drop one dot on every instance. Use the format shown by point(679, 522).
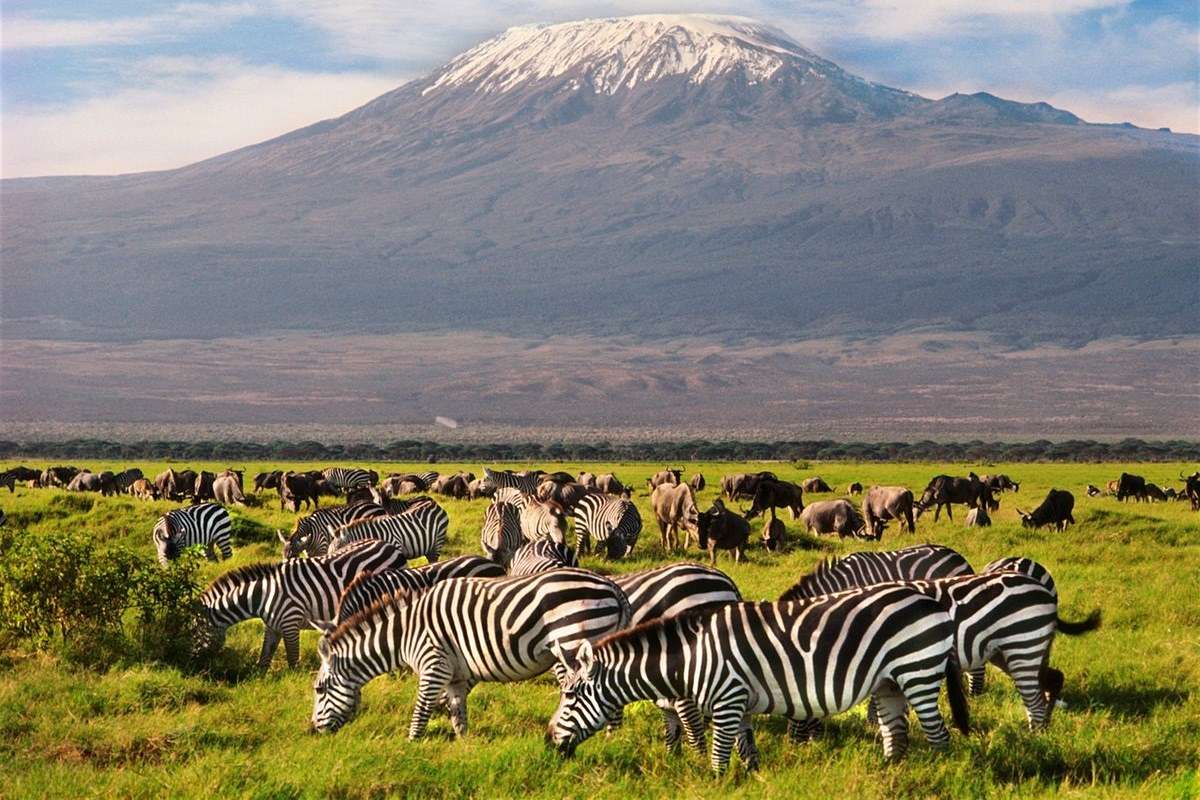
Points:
point(143, 490)
point(674, 506)
point(1092, 491)
point(882, 503)
point(772, 493)
point(453, 485)
point(833, 516)
point(588, 479)
point(203, 488)
point(86, 481)
point(296, 488)
point(267, 480)
point(557, 477)
point(978, 517)
point(565, 494)
point(774, 534)
point(664, 476)
point(815, 485)
point(697, 482)
point(1055, 510)
point(480, 487)
point(1131, 486)
point(609, 484)
point(1191, 488)
point(227, 490)
point(721, 529)
point(1155, 492)
point(58, 477)
point(20, 473)
point(944, 491)
point(1001, 483)
point(742, 486)
point(854, 488)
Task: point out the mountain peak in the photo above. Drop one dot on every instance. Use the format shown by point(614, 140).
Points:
point(622, 52)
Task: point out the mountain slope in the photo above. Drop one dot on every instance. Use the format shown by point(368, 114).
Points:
point(656, 176)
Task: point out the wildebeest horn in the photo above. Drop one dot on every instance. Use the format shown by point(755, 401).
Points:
point(282, 538)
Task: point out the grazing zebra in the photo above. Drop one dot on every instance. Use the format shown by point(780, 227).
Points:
point(346, 478)
point(311, 535)
point(368, 587)
point(1009, 619)
point(460, 632)
point(612, 522)
point(526, 483)
point(420, 531)
point(540, 519)
point(540, 556)
point(800, 660)
point(501, 535)
point(920, 562)
point(1026, 566)
point(287, 596)
point(207, 525)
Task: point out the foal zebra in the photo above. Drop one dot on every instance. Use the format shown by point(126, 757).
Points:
point(346, 478)
point(540, 556)
point(460, 632)
point(612, 522)
point(369, 587)
point(287, 596)
point(540, 519)
point(799, 660)
point(311, 534)
point(207, 525)
point(501, 534)
point(420, 531)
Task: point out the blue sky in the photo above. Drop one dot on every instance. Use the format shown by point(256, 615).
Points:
point(105, 87)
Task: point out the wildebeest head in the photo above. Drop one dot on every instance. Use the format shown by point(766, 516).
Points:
point(1026, 519)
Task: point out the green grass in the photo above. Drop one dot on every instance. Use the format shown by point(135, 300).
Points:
point(1131, 728)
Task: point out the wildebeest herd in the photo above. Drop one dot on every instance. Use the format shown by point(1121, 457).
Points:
point(890, 628)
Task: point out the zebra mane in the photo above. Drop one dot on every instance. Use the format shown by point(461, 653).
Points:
point(241, 575)
point(659, 623)
point(397, 600)
point(358, 579)
point(797, 590)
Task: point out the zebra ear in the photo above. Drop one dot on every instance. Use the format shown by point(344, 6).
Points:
point(325, 626)
point(585, 657)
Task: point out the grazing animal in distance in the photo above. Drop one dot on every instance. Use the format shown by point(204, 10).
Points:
point(854, 488)
point(1191, 489)
point(588, 479)
point(669, 477)
point(609, 484)
point(207, 525)
point(882, 503)
point(834, 516)
point(143, 490)
point(227, 491)
point(310, 535)
point(458, 633)
point(978, 518)
point(345, 479)
point(742, 486)
point(267, 480)
point(774, 534)
point(816, 485)
point(124, 479)
point(566, 494)
point(771, 494)
point(674, 507)
point(1131, 486)
point(612, 523)
point(540, 519)
point(24, 474)
point(1154, 492)
point(1000, 483)
point(1092, 491)
point(420, 531)
point(944, 491)
point(501, 535)
point(58, 477)
point(697, 482)
point(296, 489)
point(202, 491)
point(1055, 510)
point(480, 487)
point(721, 529)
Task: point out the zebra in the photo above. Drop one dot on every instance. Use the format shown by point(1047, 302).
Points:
point(612, 522)
point(368, 587)
point(1009, 619)
point(346, 478)
point(803, 659)
point(541, 556)
point(460, 632)
point(311, 537)
point(286, 596)
point(124, 479)
point(501, 535)
point(1026, 566)
point(420, 531)
point(207, 525)
point(540, 519)
point(525, 483)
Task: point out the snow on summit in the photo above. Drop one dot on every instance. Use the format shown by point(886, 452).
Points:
point(621, 52)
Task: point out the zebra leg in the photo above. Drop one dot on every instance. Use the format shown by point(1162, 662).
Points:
point(922, 694)
point(616, 721)
point(1027, 674)
point(226, 550)
point(747, 750)
point(456, 700)
point(978, 680)
point(672, 725)
point(291, 646)
point(693, 725)
point(893, 720)
point(804, 730)
point(270, 643)
point(872, 711)
point(433, 681)
point(727, 725)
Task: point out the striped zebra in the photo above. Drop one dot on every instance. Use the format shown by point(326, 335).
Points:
point(525, 483)
point(501, 535)
point(287, 596)
point(613, 523)
point(207, 525)
point(540, 519)
point(310, 536)
point(1026, 566)
point(799, 660)
point(346, 478)
point(1010, 620)
point(420, 531)
point(369, 587)
point(541, 556)
point(460, 632)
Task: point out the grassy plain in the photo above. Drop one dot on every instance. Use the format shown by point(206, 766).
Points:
point(1131, 726)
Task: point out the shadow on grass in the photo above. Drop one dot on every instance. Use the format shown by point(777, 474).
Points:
point(1125, 701)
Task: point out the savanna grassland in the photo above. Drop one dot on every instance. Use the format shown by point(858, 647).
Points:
point(1131, 726)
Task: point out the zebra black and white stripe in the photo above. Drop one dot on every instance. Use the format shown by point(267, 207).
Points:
point(346, 478)
point(526, 484)
point(287, 596)
point(540, 519)
point(207, 525)
point(369, 587)
point(540, 556)
point(800, 660)
point(460, 632)
point(613, 523)
point(501, 535)
point(311, 535)
point(420, 531)
point(1026, 566)
point(920, 562)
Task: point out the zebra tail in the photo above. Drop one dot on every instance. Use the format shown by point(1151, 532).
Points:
point(958, 698)
point(1083, 626)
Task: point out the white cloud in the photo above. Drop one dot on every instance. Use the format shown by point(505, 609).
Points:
point(1173, 106)
point(180, 111)
point(23, 33)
